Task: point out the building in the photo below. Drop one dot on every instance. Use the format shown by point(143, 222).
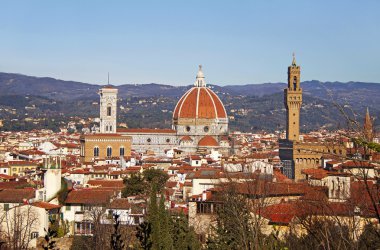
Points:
point(108, 109)
point(104, 146)
point(200, 125)
point(368, 127)
point(295, 154)
point(107, 144)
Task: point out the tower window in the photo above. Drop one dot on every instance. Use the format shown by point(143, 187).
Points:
point(295, 83)
point(121, 151)
point(96, 151)
point(109, 151)
point(109, 111)
point(110, 128)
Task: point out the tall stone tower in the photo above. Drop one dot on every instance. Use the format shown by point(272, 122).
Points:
point(368, 127)
point(293, 102)
point(108, 107)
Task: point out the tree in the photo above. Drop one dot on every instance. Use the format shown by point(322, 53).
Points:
point(183, 235)
point(237, 224)
point(134, 185)
point(19, 223)
point(116, 241)
point(138, 184)
point(155, 178)
point(165, 226)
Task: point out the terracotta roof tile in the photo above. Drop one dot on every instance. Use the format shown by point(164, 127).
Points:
point(89, 196)
point(16, 195)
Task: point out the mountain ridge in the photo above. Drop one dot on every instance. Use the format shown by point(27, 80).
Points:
point(253, 106)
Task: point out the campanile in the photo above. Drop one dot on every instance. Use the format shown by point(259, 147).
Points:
point(293, 102)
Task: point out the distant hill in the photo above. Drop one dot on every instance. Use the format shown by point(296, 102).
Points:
point(263, 103)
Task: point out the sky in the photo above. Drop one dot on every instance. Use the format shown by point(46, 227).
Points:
point(237, 42)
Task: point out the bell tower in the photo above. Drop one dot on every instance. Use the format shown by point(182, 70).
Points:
point(293, 101)
point(108, 106)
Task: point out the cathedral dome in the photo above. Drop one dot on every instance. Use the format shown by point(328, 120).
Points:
point(200, 102)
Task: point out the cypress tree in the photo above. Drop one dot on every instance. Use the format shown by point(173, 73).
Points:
point(165, 226)
point(154, 220)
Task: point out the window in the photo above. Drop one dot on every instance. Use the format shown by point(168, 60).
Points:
point(136, 220)
point(188, 129)
point(6, 207)
point(167, 140)
point(204, 208)
point(295, 83)
point(111, 128)
point(109, 111)
point(68, 207)
point(149, 140)
point(121, 151)
point(96, 151)
point(109, 151)
point(34, 235)
point(206, 129)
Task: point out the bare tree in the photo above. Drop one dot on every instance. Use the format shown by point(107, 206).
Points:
point(18, 224)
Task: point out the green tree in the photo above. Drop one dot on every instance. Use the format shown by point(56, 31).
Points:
point(155, 178)
point(184, 236)
point(151, 179)
point(154, 220)
point(134, 185)
point(166, 241)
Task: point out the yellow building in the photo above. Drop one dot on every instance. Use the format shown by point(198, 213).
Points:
point(18, 168)
point(104, 146)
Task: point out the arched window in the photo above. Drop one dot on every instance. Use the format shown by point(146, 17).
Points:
point(121, 151)
point(295, 83)
point(109, 151)
point(109, 111)
point(96, 151)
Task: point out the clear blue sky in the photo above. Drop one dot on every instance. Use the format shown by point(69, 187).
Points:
point(237, 42)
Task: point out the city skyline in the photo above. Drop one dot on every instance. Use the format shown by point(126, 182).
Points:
point(138, 43)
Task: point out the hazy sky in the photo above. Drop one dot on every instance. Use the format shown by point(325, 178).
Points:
point(237, 42)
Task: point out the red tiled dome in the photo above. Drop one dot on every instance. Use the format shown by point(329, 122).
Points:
point(199, 102)
point(208, 141)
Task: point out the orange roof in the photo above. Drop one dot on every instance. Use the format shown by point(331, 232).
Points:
point(45, 205)
point(117, 184)
point(120, 203)
point(208, 141)
point(89, 196)
point(186, 138)
point(315, 173)
point(199, 102)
